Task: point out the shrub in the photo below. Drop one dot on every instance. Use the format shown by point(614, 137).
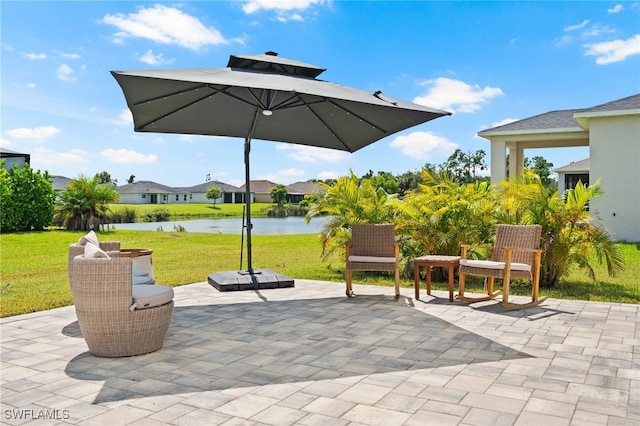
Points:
point(157, 215)
point(27, 199)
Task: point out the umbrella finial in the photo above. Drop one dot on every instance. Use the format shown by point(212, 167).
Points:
point(271, 53)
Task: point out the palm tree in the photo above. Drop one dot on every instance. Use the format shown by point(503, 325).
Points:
point(571, 235)
point(441, 214)
point(84, 203)
point(348, 201)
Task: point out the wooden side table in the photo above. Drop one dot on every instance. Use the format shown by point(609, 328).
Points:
point(430, 261)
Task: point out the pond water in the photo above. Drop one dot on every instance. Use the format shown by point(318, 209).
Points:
point(261, 226)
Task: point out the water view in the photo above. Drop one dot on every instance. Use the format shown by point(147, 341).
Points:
point(261, 226)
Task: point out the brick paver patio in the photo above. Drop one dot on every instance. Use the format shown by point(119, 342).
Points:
point(310, 356)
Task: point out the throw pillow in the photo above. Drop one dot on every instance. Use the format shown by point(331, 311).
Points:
point(92, 251)
point(91, 237)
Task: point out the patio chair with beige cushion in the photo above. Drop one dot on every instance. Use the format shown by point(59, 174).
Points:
point(516, 253)
point(112, 248)
point(373, 248)
point(115, 317)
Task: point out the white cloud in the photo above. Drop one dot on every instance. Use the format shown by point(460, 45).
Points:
point(166, 25)
point(615, 9)
point(125, 118)
point(36, 133)
point(35, 56)
point(423, 145)
point(50, 157)
point(597, 30)
point(456, 95)
point(127, 156)
point(291, 172)
point(31, 85)
point(614, 51)
point(65, 73)
point(151, 59)
point(253, 6)
point(329, 175)
point(5, 143)
point(69, 55)
point(286, 10)
point(577, 27)
point(284, 177)
point(504, 121)
point(312, 154)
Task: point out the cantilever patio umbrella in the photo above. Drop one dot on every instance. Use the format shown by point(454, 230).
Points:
point(264, 97)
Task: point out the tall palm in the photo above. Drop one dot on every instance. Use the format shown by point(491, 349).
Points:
point(85, 202)
point(571, 235)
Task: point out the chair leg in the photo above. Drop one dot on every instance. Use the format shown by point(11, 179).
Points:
point(397, 282)
point(490, 293)
point(535, 299)
point(349, 280)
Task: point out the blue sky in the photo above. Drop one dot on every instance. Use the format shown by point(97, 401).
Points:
point(487, 62)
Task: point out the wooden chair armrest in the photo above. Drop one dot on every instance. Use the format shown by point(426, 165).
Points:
point(528, 250)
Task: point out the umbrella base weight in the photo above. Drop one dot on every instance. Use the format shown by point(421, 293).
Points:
point(244, 280)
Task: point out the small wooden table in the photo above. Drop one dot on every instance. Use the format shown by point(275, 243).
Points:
point(430, 261)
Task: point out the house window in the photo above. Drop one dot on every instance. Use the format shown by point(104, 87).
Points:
point(144, 195)
point(191, 196)
point(164, 197)
point(185, 197)
point(570, 181)
point(177, 197)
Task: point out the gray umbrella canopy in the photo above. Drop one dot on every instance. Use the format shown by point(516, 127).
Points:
point(265, 97)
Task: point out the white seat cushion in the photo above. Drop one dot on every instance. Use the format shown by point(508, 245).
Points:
point(372, 259)
point(142, 279)
point(140, 273)
point(148, 296)
point(488, 264)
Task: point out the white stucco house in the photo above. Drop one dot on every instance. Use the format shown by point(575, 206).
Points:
point(148, 192)
point(612, 133)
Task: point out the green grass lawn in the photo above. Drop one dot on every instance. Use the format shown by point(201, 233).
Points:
point(33, 275)
point(195, 209)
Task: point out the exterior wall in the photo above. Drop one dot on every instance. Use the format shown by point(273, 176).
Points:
point(262, 198)
point(615, 157)
point(134, 199)
point(146, 198)
point(10, 161)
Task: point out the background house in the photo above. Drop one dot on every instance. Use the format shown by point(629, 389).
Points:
point(11, 157)
point(230, 194)
point(571, 174)
point(260, 190)
point(148, 192)
point(297, 191)
point(59, 183)
point(612, 133)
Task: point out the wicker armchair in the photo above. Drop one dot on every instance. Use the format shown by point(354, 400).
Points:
point(116, 318)
point(76, 249)
point(516, 254)
point(113, 250)
point(372, 248)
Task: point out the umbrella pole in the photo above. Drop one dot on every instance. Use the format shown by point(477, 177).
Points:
point(247, 200)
